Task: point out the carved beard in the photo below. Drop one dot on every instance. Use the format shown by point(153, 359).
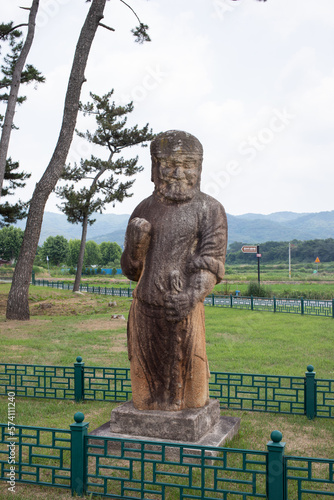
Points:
point(176, 190)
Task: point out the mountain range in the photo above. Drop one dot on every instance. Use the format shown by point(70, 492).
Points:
point(247, 228)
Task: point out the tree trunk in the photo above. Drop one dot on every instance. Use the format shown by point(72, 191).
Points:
point(81, 255)
point(14, 90)
point(18, 306)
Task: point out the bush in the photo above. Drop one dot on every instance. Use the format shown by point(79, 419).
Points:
point(257, 290)
point(37, 269)
point(72, 270)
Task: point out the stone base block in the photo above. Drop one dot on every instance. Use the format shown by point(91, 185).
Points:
point(186, 425)
point(222, 430)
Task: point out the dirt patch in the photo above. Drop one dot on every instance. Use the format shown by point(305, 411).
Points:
point(58, 303)
point(100, 324)
point(19, 327)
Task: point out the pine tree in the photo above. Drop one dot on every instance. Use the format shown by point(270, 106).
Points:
point(9, 214)
point(17, 304)
point(14, 75)
point(110, 134)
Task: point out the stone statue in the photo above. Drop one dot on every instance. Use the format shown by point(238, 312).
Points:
point(175, 248)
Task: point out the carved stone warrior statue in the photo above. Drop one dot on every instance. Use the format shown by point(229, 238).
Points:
point(175, 248)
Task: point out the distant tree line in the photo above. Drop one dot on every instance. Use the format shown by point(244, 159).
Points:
point(277, 251)
point(108, 254)
point(60, 251)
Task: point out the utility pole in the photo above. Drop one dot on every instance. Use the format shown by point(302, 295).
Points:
point(258, 255)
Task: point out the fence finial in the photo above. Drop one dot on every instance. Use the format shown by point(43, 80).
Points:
point(276, 436)
point(79, 417)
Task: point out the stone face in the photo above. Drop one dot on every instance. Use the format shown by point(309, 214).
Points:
point(187, 425)
point(175, 248)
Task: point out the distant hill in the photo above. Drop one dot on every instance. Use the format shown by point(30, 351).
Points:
point(105, 226)
point(247, 228)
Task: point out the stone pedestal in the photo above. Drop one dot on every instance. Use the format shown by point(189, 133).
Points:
point(200, 426)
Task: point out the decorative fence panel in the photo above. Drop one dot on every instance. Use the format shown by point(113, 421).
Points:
point(40, 456)
point(37, 381)
point(240, 391)
point(261, 304)
point(288, 306)
point(267, 393)
point(137, 469)
point(295, 306)
point(308, 478)
point(325, 398)
point(118, 467)
point(318, 307)
point(107, 384)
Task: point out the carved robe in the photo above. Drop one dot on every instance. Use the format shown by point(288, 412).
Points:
point(169, 367)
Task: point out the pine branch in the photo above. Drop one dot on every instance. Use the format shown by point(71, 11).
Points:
point(106, 27)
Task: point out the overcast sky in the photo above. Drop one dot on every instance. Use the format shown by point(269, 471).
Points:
point(253, 81)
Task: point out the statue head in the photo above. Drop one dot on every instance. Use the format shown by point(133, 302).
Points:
point(176, 165)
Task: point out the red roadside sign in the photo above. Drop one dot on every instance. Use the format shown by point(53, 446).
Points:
point(249, 249)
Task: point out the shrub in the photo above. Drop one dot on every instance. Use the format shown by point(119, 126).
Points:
point(257, 290)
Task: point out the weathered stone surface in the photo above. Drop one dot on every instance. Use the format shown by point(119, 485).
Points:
point(186, 425)
point(175, 248)
point(222, 432)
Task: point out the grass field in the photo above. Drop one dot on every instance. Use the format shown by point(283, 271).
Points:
point(64, 325)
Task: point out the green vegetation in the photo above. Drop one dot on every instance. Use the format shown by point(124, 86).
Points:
point(277, 251)
point(10, 242)
point(64, 325)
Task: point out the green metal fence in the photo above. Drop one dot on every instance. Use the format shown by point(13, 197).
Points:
point(308, 476)
point(240, 391)
point(295, 306)
point(39, 455)
point(136, 469)
point(152, 470)
point(38, 381)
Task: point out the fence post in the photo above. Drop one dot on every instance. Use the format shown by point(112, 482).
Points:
point(231, 300)
point(301, 305)
point(33, 278)
point(213, 300)
point(333, 308)
point(275, 471)
point(78, 455)
point(274, 304)
point(310, 393)
point(79, 383)
point(252, 302)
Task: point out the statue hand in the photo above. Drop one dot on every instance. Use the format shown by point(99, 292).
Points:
point(138, 235)
point(178, 306)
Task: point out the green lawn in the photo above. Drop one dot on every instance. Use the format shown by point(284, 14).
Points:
point(237, 341)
